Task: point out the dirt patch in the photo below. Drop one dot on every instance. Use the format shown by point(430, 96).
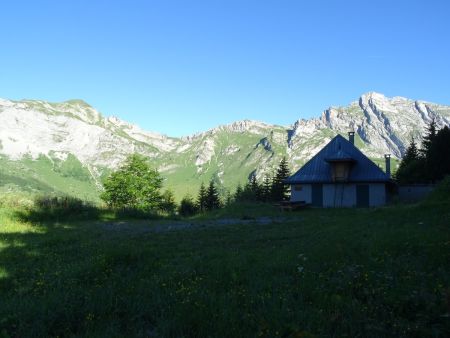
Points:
point(155, 227)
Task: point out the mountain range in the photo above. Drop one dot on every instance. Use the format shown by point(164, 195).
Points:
point(70, 147)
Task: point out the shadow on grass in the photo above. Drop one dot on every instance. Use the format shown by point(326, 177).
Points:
point(56, 276)
point(367, 273)
point(66, 208)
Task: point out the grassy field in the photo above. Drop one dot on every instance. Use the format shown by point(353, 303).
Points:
point(314, 273)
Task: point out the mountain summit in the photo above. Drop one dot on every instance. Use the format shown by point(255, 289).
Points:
point(34, 130)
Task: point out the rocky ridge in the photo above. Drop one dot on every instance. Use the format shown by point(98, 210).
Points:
point(228, 153)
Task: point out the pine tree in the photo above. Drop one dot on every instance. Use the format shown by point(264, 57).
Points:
point(412, 166)
point(412, 153)
point(239, 193)
point(201, 199)
point(429, 137)
point(228, 198)
point(431, 163)
point(429, 152)
point(280, 191)
point(255, 189)
point(440, 149)
point(212, 197)
point(266, 188)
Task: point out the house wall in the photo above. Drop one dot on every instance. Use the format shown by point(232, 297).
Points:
point(377, 194)
point(339, 195)
point(305, 194)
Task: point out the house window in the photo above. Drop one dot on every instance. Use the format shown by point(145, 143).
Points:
point(340, 171)
point(298, 188)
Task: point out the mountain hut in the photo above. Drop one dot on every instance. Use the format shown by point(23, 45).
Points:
point(340, 175)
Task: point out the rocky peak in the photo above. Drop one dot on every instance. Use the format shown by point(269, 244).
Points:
point(383, 125)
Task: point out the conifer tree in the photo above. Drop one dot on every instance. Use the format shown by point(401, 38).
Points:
point(212, 197)
point(201, 198)
point(280, 191)
point(429, 138)
point(255, 189)
point(266, 188)
point(239, 193)
point(412, 166)
point(228, 198)
point(440, 152)
point(429, 164)
point(429, 152)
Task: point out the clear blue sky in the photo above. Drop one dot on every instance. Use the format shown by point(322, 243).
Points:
point(178, 67)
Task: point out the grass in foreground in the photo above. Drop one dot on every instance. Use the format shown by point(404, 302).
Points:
point(370, 273)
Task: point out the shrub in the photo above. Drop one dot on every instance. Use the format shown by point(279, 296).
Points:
point(167, 203)
point(441, 193)
point(187, 207)
point(54, 207)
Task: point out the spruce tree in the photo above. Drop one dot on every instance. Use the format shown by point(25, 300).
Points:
point(429, 152)
point(212, 197)
point(267, 188)
point(412, 166)
point(239, 193)
point(429, 138)
point(228, 198)
point(280, 191)
point(429, 164)
point(255, 189)
point(412, 153)
point(201, 199)
point(440, 150)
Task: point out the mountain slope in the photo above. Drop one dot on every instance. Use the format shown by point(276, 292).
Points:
point(43, 145)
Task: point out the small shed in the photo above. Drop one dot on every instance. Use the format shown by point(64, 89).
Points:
point(340, 175)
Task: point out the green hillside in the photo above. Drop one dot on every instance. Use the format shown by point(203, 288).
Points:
point(46, 176)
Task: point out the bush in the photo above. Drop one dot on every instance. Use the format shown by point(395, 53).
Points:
point(441, 194)
point(187, 207)
point(167, 203)
point(54, 207)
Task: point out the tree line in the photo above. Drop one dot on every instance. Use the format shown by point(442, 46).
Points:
point(270, 189)
point(136, 185)
point(431, 162)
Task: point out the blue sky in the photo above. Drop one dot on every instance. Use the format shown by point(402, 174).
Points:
point(179, 67)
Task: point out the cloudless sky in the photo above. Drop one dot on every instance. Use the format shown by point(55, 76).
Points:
point(179, 67)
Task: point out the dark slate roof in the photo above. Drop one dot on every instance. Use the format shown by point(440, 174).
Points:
point(318, 169)
point(340, 156)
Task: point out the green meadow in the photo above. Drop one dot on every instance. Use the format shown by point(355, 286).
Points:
point(247, 271)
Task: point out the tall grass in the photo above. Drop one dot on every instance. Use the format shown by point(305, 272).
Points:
point(16, 200)
point(327, 273)
point(36, 208)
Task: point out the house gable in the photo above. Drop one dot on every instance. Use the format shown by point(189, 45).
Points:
point(318, 168)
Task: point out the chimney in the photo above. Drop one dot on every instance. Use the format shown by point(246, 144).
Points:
point(387, 157)
point(351, 137)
